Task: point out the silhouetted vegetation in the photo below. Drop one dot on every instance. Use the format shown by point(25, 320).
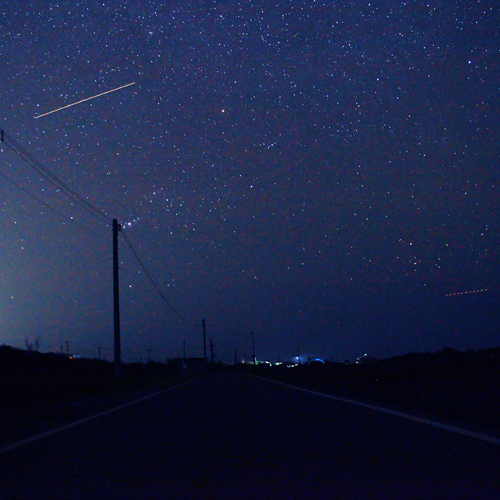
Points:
point(459, 387)
point(41, 390)
point(28, 375)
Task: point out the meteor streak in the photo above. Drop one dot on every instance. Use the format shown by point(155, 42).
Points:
point(87, 99)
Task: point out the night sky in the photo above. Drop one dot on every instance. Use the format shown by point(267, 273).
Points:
point(323, 174)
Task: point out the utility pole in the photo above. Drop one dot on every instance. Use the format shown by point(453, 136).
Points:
point(67, 346)
point(184, 349)
point(116, 302)
point(212, 354)
point(99, 349)
point(149, 355)
point(253, 349)
point(235, 355)
point(204, 345)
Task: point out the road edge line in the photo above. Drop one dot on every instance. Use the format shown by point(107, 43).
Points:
point(408, 416)
point(32, 439)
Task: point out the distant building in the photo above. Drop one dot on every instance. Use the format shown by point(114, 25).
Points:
point(315, 361)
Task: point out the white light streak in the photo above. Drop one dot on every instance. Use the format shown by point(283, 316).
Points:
point(87, 99)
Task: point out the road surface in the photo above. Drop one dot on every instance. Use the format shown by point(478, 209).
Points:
point(230, 435)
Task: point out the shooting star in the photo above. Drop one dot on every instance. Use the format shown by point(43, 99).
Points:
point(87, 99)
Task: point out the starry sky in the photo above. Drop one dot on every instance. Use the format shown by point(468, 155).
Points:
point(320, 174)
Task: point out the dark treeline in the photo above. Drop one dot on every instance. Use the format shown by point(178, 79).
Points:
point(28, 375)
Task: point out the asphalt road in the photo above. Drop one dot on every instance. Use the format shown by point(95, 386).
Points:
point(229, 435)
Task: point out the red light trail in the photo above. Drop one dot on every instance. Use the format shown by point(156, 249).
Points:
point(464, 293)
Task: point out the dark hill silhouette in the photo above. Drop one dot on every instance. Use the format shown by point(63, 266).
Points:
point(458, 387)
point(39, 391)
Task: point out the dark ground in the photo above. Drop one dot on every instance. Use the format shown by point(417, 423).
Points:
point(40, 391)
point(235, 436)
point(460, 388)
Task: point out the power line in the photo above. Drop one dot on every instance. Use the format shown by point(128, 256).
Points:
point(52, 208)
point(79, 200)
point(52, 178)
point(172, 308)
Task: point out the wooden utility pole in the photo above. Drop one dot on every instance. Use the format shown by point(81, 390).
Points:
point(253, 349)
point(212, 353)
point(116, 302)
point(204, 345)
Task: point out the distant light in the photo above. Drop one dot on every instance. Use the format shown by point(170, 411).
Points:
point(316, 361)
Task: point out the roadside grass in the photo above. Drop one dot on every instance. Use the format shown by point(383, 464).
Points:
point(41, 391)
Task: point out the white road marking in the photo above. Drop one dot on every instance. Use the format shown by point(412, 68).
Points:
point(439, 425)
point(32, 439)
